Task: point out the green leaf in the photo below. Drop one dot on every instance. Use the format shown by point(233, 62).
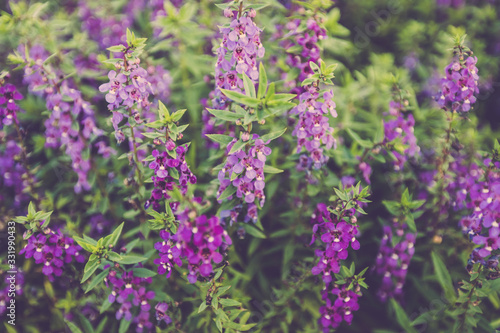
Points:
point(224, 115)
point(202, 307)
point(340, 194)
point(220, 138)
point(443, 276)
point(262, 81)
point(241, 98)
point(411, 222)
point(270, 91)
point(87, 326)
point(124, 325)
point(361, 142)
point(85, 244)
point(178, 115)
point(31, 209)
point(116, 48)
point(277, 107)
point(249, 86)
point(105, 306)
point(218, 323)
point(270, 169)
point(131, 259)
point(392, 206)
point(222, 290)
point(314, 67)
point(89, 269)
point(401, 317)
point(251, 230)
point(113, 256)
point(273, 135)
point(405, 198)
point(98, 279)
point(229, 191)
point(229, 302)
point(72, 327)
point(155, 124)
point(416, 204)
point(102, 325)
point(113, 238)
point(143, 272)
point(282, 97)
point(163, 111)
point(238, 145)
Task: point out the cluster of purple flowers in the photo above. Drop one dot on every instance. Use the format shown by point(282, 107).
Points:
point(396, 250)
point(12, 172)
point(459, 85)
point(8, 107)
point(160, 80)
point(161, 313)
point(66, 107)
point(129, 291)
point(202, 241)
point(241, 41)
point(244, 169)
point(12, 286)
point(307, 39)
point(237, 54)
point(479, 192)
point(312, 129)
point(336, 237)
point(169, 254)
point(53, 250)
point(128, 88)
point(400, 128)
point(332, 314)
point(107, 30)
point(164, 178)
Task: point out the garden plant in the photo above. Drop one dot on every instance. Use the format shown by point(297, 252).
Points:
point(249, 166)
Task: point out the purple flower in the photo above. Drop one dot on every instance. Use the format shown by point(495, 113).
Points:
point(161, 312)
point(312, 129)
point(245, 171)
point(459, 85)
point(393, 260)
point(336, 237)
point(163, 181)
point(8, 96)
point(202, 242)
point(53, 250)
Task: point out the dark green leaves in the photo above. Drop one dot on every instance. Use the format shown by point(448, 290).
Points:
point(87, 245)
point(361, 142)
point(262, 81)
point(443, 276)
point(251, 230)
point(220, 138)
point(229, 191)
point(401, 317)
point(241, 98)
point(249, 86)
point(110, 241)
point(238, 145)
point(273, 135)
point(131, 259)
point(96, 280)
point(224, 115)
point(90, 268)
point(270, 169)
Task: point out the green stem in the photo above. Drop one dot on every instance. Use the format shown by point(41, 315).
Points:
point(24, 159)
